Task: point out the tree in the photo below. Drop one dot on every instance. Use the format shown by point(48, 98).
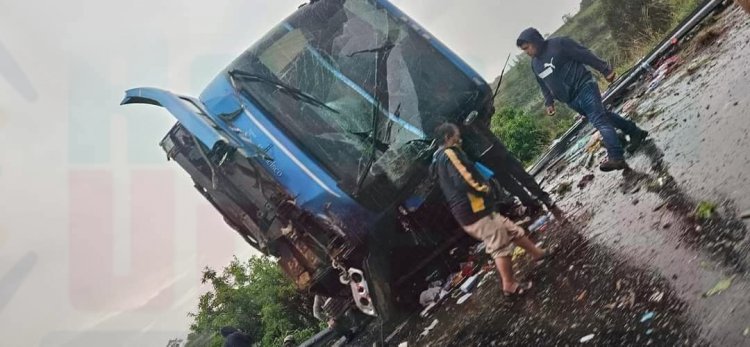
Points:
point(256, 298)
point(521, 133)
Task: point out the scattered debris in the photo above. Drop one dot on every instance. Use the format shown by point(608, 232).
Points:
point(708, 37)
point(745, 215)
point(629, 107)
point(587, 338)
point(590, 160)
point(659, 206)
point(631, 299)
point(403, 344)
point(484, 279)
point(463, 299)
point(581, 296)
point(635, 189)
point(594, 143)
point(647, 316)
point(657, 126)
point(539, 225)
point(651, 114)
point(746, 332)
point(429, 295)
point(695, 66)
point(719, 287)
point(395, 332)
point(562, 188)
point(471, 283)
point(429, 328)
point(663, 71)
point(427, 310)
point(655, 185)
point(657, 297)
point(585, 180)
point(705, 210)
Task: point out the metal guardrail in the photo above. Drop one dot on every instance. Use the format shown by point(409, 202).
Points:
point(322, 338)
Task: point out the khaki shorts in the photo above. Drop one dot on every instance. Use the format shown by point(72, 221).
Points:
point(497, 232)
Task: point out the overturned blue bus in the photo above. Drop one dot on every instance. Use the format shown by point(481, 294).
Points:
point(314, 144)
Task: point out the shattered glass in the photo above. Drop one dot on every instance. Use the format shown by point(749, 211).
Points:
point(330, 50)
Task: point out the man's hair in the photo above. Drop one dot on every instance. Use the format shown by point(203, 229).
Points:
point(444, 131)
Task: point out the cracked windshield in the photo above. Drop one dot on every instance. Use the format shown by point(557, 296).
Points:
point(367, 85)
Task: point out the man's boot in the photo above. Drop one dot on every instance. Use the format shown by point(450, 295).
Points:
point(636, 140)
point(612, 165)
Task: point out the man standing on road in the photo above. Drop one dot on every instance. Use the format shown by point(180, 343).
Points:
point(559, 66)
point(467, 195)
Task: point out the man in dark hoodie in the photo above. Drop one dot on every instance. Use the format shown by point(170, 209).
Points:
point(560, 68)
point(468, 197)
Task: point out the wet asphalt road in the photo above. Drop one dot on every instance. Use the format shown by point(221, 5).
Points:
point(636, 264)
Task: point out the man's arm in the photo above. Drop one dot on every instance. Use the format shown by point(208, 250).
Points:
point(581, 54)
point(549, 99)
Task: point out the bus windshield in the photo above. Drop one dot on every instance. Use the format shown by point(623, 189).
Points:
point(357, 87)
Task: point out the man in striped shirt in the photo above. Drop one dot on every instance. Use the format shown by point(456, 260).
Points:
point(468, 197)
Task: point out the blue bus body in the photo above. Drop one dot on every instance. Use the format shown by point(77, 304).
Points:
point(315, 146)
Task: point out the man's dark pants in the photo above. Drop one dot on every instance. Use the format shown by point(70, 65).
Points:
point(588, 102)
point(511, 174)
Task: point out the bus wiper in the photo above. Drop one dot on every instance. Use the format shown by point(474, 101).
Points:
point(284, 88)
point(381, 89)
point(384, 48)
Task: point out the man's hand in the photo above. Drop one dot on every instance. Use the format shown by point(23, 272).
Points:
point(551, 110)
point(611, 77)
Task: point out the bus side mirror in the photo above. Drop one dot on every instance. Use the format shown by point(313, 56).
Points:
point(471, 117)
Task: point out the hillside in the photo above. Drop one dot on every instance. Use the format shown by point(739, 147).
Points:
point(618, 31)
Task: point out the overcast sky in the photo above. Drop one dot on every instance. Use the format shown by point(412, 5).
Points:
point(101, 239)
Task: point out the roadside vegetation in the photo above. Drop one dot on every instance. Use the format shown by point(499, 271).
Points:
point(255, 297)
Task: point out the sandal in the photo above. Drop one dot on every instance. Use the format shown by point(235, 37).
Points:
point(521, 289)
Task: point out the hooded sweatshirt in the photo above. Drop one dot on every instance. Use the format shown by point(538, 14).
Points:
point(560, 65)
